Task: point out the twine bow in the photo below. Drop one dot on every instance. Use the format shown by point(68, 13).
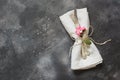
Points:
point(84, 36)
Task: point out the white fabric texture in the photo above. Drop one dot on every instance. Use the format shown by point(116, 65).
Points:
point(77, 62)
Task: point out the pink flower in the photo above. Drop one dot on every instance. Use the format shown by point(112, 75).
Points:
point(79, 30)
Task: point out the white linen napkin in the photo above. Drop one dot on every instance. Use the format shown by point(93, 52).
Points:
point(77, 62)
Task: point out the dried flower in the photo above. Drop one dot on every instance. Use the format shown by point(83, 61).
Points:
point(79, 30)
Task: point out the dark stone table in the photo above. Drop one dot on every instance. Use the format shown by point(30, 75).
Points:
point(34, 44)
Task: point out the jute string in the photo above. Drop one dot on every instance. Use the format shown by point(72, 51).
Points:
point(84, 51)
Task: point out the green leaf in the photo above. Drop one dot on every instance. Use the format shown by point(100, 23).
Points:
point(87, 41)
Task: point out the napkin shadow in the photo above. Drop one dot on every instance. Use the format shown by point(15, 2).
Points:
point(78, 72)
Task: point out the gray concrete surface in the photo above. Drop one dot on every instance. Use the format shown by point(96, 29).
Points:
point(34, 45)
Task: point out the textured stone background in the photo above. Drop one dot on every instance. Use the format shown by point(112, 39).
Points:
point(34, 45)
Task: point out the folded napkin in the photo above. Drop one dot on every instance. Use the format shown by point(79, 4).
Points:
point(77, 62)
